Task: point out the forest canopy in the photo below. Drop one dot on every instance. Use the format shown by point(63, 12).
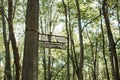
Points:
point(60, 40)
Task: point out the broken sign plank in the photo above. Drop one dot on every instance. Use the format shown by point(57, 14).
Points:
point(53, 45)
point(61, 39)
point(44, 38)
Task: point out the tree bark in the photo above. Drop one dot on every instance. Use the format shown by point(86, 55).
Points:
point(67, 31)
point(30, 58)
point(92, 53)
point(112, 47)
point(81, 41)
point(49, 37)
point(13, 40)
point(7, 71)
point(44, 64)
point(49, 61)
point(95, 62)
point(103, 46)
point(72, 46)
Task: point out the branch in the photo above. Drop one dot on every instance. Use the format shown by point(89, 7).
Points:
point(14, 8)
point(59, 71)
point(92, 20)
point(117, 41)
point(3, 13)
point(96, 18)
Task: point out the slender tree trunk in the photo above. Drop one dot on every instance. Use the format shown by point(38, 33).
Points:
point(49, 61)
point(72, 47)
point(7, 73)
point(44, 65)
point(49, 50)
point(112, 47)
point(30, 58)
point(12, 38)
point(49, 64)
point(103, 46)
point(44, 52)
point(94, 73)
point(67, 31)
point(95, 63)
point(92, 51)
point(81, 41)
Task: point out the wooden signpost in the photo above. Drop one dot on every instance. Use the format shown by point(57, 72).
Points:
point(52, 41)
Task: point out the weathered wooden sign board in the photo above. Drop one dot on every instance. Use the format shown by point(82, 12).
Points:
point(52, 41)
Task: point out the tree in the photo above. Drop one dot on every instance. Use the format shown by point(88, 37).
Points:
point(112, 46)
point(13, 40)
point(67, 31)
point(7, 73)
point(91, 40)
point(103, 45)
point(81, 41)
point(30, 59)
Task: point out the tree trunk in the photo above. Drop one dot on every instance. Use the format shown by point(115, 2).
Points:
point(12, 38)
point(49, 37)
point(44, 64)
point(44, 51)
point(49, 62)
point(112, 47)
point(30, 58)
point(7, 73)
point(92, 51)
point(72, 47)
point(103, 46)
point(95, 63)
point(81, 42)
point(67, 31)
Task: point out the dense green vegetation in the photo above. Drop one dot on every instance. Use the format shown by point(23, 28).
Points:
point(92, 28)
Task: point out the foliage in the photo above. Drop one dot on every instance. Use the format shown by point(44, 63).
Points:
point(52, 12)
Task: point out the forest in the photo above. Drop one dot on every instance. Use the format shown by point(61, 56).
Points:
point(59, 39)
